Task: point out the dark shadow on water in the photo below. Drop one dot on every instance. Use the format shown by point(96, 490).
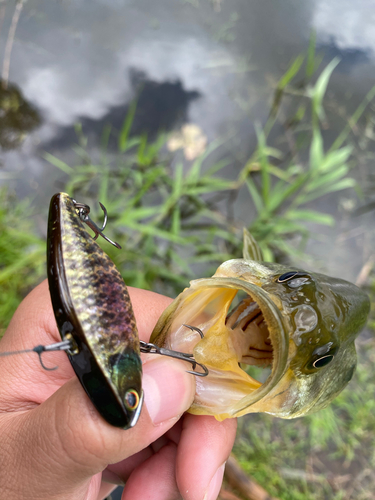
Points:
point(161, 106)
point(17, 116)
point(349, 57)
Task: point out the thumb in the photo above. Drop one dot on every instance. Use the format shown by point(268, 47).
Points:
point(58, 446)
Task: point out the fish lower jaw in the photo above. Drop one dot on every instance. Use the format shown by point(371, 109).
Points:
point(236, 338)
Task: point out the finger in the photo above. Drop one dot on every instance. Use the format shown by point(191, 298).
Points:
point(154, 478)
point(24, 380)
point(147, 307)
point(119, 472)
point(67, 430)
point(204, 447)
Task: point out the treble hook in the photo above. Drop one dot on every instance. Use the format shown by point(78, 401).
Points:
point(195, 329)
point(69, 345)
point(83, 212)
point(150, 348)
point(65, 345)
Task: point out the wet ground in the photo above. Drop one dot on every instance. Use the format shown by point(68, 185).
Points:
point(213, 63)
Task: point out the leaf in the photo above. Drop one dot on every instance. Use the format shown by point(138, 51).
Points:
point(130, 143)
point(316, 150)
point(194, 172)
point(267, 254)
point(151, 151)
point(326, 179)
point(339, 186)
point(291, 72)
point(176, 221)
point(310, 64)
point(126, 126)
point(280, 196)
point(178, 182)
point(58, 163)
point(284, 226)
point(266, 180)
point(279, 173)
point(217, 166)
point(257, 199)
point(318, 91)
point(136, 214)
point(214, 185)
point(142, 149)
point(353, 119)
point(335, 158)
point(311, 216)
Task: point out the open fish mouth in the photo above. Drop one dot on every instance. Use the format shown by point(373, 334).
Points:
point(242, 326)
point(299, 324)
point(249, 333)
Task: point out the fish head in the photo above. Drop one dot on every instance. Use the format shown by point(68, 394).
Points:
point(299, 325)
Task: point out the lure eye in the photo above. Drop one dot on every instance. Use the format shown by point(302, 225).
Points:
point(131, 399)
point(324, 361)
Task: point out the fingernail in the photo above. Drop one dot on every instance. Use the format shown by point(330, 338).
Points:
point(215, 484)
point(168, 389)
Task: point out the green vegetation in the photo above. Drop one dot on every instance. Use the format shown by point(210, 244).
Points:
point(280, 206)
point(168, 213)
point(170, 217)
point(22, 254)
point(327, 455)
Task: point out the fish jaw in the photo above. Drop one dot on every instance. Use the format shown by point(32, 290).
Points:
point(228, 390)
point(303, 317)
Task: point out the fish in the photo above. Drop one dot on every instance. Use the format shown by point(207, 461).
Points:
point(297, 326)
point(94, 313)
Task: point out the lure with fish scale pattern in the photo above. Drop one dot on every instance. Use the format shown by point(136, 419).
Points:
point(91, 302)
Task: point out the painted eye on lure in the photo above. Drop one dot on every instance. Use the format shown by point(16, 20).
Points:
point(131, 400)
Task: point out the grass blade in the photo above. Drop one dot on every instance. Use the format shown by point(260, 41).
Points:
point(125, 129)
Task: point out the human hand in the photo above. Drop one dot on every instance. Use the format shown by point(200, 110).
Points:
point(54, 444)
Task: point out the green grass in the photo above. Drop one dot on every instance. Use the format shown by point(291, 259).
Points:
point(327, 455)
point(22, 254)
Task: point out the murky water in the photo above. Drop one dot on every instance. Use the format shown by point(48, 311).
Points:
point(208, 62)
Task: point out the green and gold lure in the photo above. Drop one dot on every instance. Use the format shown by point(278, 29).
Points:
point(93, 309)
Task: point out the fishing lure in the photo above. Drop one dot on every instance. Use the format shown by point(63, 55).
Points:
point(94, 315)
point(93, 310)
